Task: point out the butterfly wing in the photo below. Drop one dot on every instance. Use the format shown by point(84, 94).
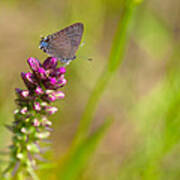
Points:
point(65, 43)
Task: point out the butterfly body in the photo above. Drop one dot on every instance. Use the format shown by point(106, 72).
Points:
point(63, 44)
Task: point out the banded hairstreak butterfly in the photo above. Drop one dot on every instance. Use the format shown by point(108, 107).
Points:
point(64, 43)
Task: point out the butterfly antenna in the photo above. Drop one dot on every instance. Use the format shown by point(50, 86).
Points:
point(85, 57)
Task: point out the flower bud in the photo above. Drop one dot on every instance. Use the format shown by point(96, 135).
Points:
point(51, 110)
point(34, 64)
point(39, 90)
point(37, 106)
point(50, 63)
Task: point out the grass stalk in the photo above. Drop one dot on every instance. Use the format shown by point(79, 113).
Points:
point(114, 62)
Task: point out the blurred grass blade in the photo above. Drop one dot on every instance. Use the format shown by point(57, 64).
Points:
point(153, 34)
point(115, 60)
point(77, 159)
point(120, 39)
point(158, 123)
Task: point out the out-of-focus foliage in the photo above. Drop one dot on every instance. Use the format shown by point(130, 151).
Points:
point(143, 97)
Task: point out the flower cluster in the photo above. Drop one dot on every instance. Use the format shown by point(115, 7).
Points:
point(31, 124)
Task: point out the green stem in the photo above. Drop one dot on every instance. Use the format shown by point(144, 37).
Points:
point(20, 176)
point(115, 59)
point(32, 173)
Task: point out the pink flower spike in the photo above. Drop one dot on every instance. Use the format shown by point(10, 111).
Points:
point(34, 106)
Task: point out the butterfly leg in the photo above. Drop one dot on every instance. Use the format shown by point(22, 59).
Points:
point(67, 61)
point(64, 60)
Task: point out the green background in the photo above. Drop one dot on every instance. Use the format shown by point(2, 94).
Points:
point(139, 97)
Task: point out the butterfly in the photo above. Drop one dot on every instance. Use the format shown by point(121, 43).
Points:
point(64, 43)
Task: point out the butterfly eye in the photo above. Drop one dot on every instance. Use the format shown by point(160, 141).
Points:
point(44, 44)
point(46, 39)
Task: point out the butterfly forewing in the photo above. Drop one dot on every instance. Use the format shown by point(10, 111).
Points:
point(65, 43)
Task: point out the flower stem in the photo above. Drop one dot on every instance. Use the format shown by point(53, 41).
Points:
point(32, 173)
point(20, 176)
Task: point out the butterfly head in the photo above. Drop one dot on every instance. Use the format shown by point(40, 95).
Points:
point(44, 43)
